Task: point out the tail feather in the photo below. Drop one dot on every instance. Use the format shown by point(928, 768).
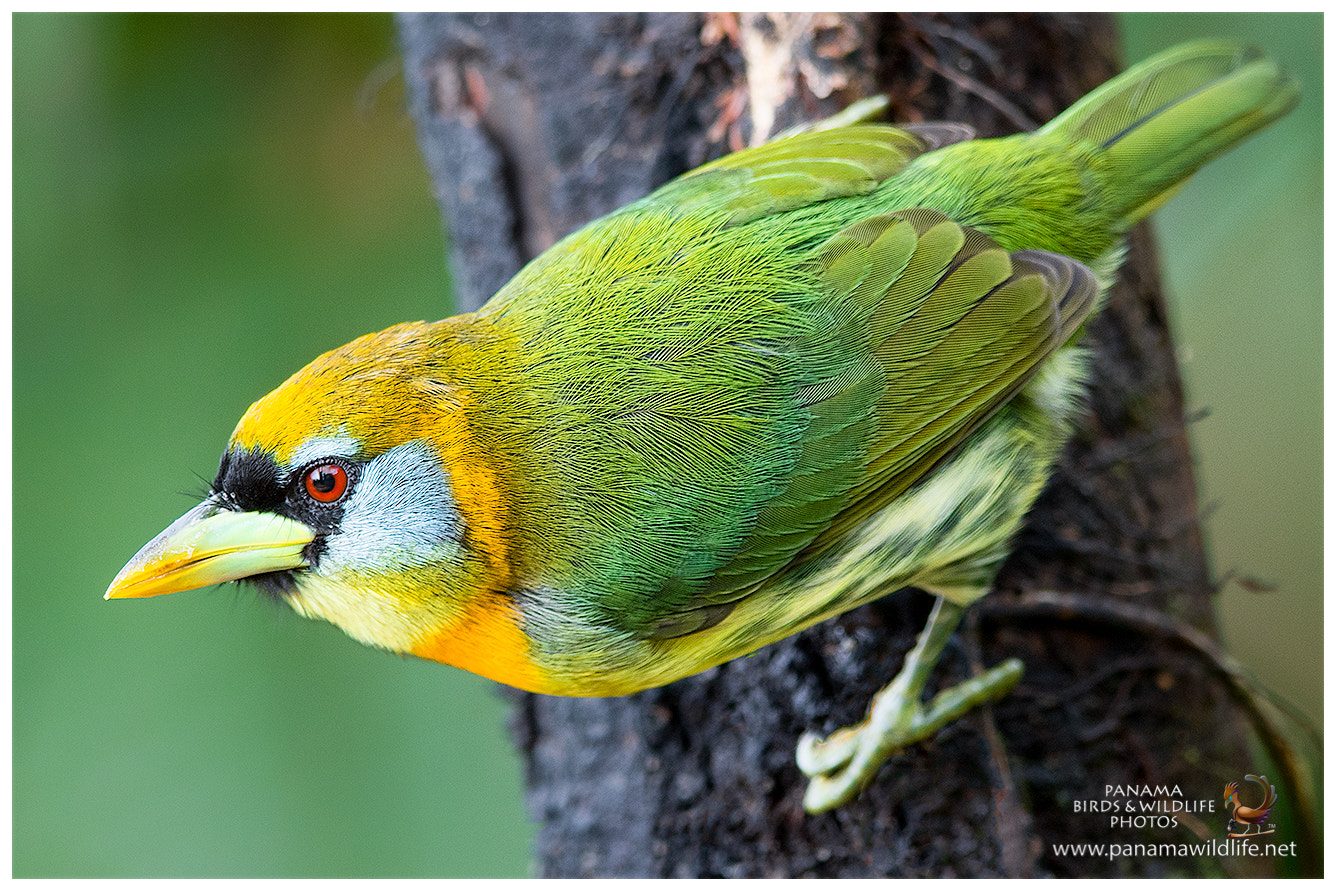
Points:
point(1158, 122)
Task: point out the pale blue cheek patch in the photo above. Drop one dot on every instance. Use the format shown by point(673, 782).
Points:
point(401, 514)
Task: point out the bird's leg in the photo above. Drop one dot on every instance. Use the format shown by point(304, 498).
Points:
point(840, 765)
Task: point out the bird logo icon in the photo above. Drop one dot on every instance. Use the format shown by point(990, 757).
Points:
point(1243, 819)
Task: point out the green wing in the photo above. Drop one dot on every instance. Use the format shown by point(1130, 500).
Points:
point(756, 357)
point(952, 327)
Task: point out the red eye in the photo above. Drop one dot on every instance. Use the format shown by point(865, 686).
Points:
point(326, 483)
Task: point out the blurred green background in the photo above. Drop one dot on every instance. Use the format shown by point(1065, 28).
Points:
point(1242, 257)
point(201, 204)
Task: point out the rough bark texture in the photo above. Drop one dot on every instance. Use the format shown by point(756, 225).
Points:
point(533, 125)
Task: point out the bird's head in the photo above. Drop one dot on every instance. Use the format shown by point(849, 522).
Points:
point(340, 493)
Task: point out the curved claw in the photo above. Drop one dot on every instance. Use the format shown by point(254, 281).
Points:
point(816, 756)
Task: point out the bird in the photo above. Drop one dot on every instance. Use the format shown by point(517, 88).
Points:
point(791, 381)
point(1250, 816)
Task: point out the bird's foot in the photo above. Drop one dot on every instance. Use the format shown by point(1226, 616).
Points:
point(842, 764)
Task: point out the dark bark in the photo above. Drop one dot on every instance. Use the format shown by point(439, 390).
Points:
point(533, 125)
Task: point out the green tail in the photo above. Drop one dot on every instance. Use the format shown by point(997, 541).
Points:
point(1161, 120)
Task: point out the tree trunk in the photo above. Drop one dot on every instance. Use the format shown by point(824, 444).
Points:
point(535, 124)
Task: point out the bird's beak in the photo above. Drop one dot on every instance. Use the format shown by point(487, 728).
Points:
point(211, 544)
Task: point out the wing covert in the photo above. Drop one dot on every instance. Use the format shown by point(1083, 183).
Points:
point(950, 326)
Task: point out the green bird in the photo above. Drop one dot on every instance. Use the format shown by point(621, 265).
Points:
point(789, 382)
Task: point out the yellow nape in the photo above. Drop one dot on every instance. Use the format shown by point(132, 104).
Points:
point(487, 640)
